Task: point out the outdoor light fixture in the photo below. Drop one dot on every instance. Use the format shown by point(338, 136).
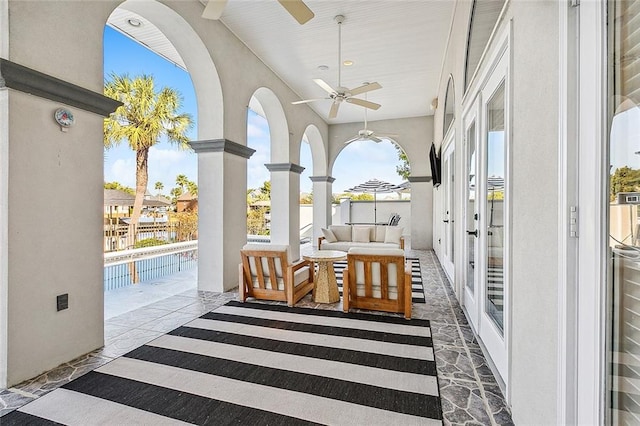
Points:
point(323, 67)
point(347, 63)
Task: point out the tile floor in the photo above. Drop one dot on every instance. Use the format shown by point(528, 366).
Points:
point(136, 315)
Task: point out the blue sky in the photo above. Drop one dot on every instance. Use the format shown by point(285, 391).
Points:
point(357, 163)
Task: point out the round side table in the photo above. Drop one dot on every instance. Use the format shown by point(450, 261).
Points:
point(325, 289)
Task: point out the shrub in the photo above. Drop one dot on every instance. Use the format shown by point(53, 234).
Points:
point(149, 242)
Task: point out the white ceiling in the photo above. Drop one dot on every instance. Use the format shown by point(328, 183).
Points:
point(398, 43)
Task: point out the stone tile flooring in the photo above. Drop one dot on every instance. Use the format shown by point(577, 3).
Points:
point(469, 391)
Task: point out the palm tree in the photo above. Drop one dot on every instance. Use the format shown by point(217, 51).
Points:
point(193, 188)
point(182, 181)
point(145, 116)
point(159, 187)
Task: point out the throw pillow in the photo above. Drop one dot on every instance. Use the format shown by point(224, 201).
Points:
point(381, 231)
point(393, 234)
point(329, 236)
point(361, 235)
point(342, 232)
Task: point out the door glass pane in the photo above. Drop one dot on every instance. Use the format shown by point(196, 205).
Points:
point(449, 216)
point(623, 378)
point(495, 186)
point(471, 209)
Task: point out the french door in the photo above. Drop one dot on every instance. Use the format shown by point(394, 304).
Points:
point(471, 215)
point(448, 206)
point(486, 213)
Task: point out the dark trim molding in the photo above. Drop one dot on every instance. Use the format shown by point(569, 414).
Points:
point(222, 145)
point(329, 179)
point(419, 179)
point(284, 167)
point(27, 80)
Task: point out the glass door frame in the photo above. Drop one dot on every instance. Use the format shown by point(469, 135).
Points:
point(470, 298)
point(582, 378)
point(448, 204)
point(494, 339)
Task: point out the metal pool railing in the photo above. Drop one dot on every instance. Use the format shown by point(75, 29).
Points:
point(126, 267)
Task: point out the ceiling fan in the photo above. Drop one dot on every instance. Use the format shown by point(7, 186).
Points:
point(296, 8)
point(342, 94)
point(369, 135)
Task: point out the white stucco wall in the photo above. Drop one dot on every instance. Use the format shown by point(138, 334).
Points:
point(532, 381)
point(535, 212)
point(51, 171)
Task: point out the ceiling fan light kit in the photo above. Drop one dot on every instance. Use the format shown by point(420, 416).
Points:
point(342, 94)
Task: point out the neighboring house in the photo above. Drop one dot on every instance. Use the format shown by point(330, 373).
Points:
point(117, 203)
point(187, 202)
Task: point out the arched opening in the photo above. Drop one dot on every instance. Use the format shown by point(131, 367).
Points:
point(364, 160)
point(152, 39)
point(312, 203)
point(449, 107)
point(258, 176)
point(484, 17)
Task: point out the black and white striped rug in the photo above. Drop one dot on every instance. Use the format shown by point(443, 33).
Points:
point(253, 364)
point(417, 290)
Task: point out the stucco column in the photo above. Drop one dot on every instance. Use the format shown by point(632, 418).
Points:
point(421, 207)
point(285, 206)
point(322, 197)
point(222, 211)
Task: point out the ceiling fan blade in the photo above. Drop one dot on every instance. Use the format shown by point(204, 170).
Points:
point(333, 112)
point(320, 82)
point(387, 135)
point(213, 9)
point(362, 102)
point(298, 10)
point(306, 101)
point(375, 139)
point(365, 88)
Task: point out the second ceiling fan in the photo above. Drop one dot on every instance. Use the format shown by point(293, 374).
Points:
point(342, 94)
point(369, 135)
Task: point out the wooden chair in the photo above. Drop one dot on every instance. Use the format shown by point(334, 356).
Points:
point(265, 273)
point(377, 279)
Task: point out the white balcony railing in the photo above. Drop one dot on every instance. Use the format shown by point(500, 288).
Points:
point(126, 267)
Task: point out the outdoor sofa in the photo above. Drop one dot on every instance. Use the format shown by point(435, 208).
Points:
point(344, 237)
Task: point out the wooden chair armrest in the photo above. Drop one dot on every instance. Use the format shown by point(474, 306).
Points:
point(402, 243)
point(408, 297)
point(320, 239)
point(345, 290)
point(300, 264)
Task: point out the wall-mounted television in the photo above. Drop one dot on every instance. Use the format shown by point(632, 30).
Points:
point(435, 166)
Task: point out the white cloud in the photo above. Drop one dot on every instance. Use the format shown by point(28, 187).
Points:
point(123, 171)
point(255, 131)
point(166, 156)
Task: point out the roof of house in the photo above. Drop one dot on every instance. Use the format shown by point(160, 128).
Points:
point(117, 197)
point(187, 196)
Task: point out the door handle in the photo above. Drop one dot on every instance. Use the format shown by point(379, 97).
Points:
point(474, 233)
point(445, 221)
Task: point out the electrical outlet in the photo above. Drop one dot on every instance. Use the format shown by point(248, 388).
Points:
point(62, 301)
